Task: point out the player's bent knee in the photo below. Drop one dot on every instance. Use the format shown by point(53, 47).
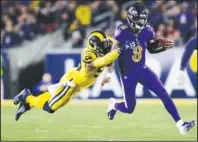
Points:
point(131, 108)
point(47, 108)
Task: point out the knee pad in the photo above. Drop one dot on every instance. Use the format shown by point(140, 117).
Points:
point(47, 108)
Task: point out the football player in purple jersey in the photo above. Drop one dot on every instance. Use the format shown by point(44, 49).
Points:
point(134, 37)
point(190, 47)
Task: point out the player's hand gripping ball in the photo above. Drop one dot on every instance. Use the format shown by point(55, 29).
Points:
point(166, 43)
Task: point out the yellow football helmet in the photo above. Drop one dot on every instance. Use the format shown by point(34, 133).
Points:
point(99, 42)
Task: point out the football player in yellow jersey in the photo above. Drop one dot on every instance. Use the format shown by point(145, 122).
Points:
point(94, 58)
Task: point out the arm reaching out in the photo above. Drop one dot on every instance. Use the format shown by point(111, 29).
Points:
point(159, 45)
point(107, 59)
point(110, 67)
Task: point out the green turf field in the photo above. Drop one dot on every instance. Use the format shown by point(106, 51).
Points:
point(88, 121)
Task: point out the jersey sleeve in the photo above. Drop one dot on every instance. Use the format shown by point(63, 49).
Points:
point(106, 60)
point(150, 33)
point(88, 56)
point(120, 33)
point(189, 48)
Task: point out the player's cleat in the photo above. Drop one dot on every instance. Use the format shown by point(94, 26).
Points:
point(185, 127)
point(111, 111)
point(23, 107)
point(21, 96)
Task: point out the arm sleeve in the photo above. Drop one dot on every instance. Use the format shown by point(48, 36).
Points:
point(152, 42)
point(190, 46)
point(106, 60)
point(150, 33)
point(154, 47)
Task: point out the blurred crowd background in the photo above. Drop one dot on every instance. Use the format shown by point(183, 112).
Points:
point(23, 20)
point(30, 29)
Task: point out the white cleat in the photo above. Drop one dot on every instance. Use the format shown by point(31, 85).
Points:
point(111, 111)
point(186, 127)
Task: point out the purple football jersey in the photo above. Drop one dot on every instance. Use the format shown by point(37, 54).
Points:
point(134, 46)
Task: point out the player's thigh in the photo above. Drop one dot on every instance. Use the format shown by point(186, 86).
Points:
point(63, 94)
point(150, 80)
point(128, 88)
point(62, 98)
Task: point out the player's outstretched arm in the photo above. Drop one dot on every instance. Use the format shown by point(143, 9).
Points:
point(109, 70)
point(107, 59)
point(159, 45)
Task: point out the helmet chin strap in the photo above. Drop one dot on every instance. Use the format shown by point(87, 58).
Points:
point(135, 27)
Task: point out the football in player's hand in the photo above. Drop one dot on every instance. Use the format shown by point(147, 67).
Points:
point(165, 42)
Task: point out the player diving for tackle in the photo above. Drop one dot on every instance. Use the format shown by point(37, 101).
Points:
point(94, 58)
point(137, 36)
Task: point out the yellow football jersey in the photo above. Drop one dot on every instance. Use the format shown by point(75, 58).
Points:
point(82, 76)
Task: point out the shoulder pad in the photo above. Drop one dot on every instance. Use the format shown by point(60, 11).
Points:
point(123, 27)
point(89, 56)
point(149, 27)
point(120, 29)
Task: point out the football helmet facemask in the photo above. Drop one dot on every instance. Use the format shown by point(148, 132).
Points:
point(137, 17)
point(99, 42)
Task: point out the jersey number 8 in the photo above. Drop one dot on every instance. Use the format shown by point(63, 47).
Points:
point(137, 54)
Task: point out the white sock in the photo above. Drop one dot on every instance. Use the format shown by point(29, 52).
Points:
point(114, 102)
point(179, 123)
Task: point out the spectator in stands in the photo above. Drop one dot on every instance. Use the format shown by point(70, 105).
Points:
point(10, 37)
point(60, 8)
point(157, 15)
point(160, 32)
point(185, 20)
point(172, 33)
point(95, 6)
point(68, 19)
point(77, 38)
point(13, 14)
point(42, 85)
point(113, 7)
point(123, 15)
point(47, 18)
point(83, 15)
point(26, 23)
